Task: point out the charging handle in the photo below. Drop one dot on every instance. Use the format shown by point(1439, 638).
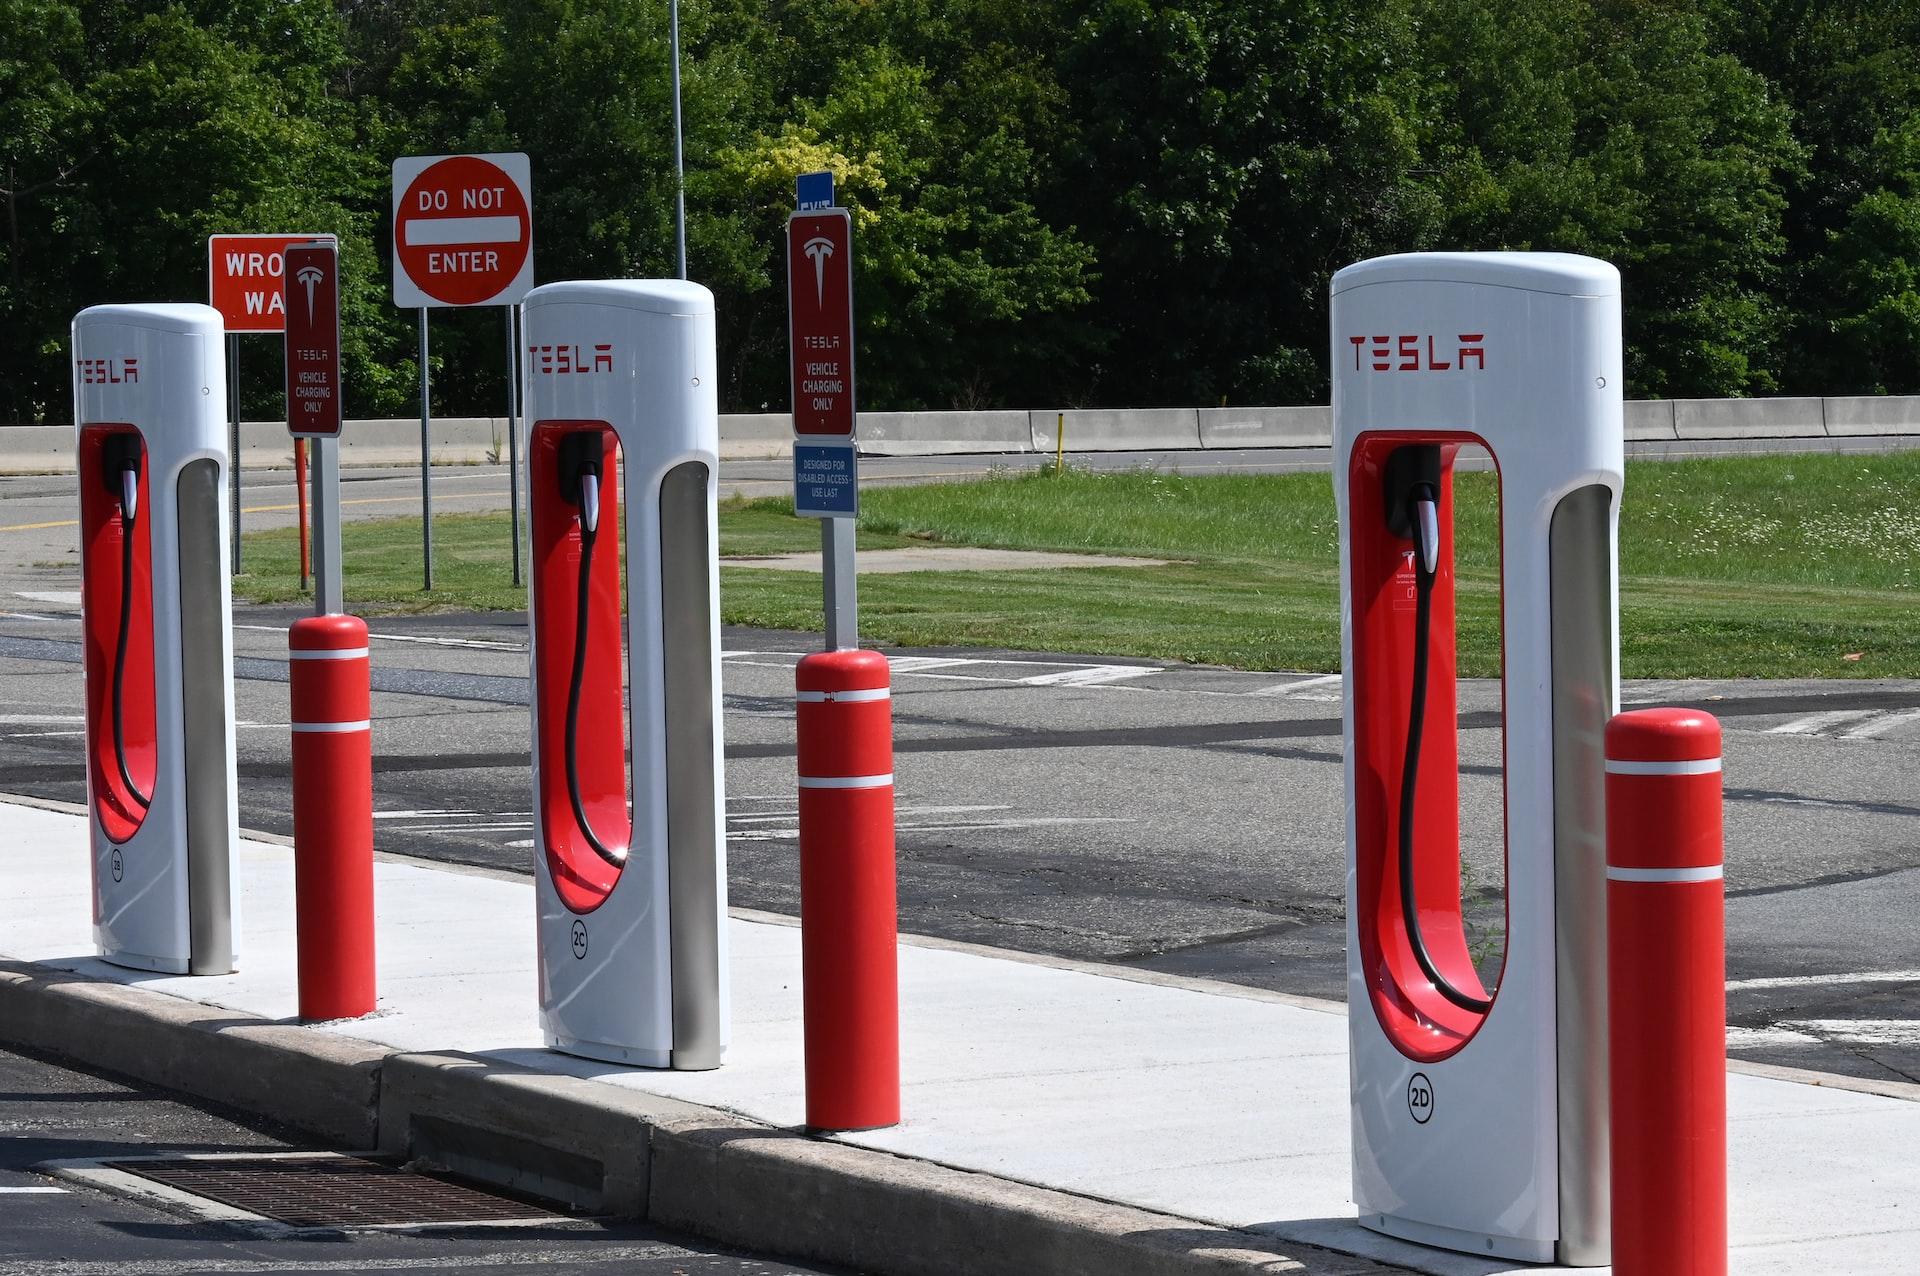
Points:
point(120, 471)
point(582, 454)
point(1412, 482)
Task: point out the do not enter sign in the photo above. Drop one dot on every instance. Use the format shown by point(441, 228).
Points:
point(462, 230)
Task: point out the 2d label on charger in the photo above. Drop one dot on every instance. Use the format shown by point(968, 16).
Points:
point(826, 481)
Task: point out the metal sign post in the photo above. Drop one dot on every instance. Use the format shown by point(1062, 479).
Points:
point(513, 433)
point(426, 458)
point(462, 236)
point(233, 446)
point(826, 468)
point(315, 400)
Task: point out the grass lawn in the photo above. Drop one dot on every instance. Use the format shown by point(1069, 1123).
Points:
point(1784, 566)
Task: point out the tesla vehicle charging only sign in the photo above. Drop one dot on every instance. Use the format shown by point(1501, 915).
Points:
point(462, 230)
point(244, 274)
point(820, 310)
point(313, 341)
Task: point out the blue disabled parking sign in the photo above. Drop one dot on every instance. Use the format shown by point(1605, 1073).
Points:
point(826, 480)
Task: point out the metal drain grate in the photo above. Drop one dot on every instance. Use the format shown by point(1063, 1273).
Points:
point(330, 1191)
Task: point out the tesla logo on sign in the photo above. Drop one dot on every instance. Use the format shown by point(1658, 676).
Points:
point(309, 277)
point(818, 251)
point(108, 371)
point(1420, 352)
point(554, 360)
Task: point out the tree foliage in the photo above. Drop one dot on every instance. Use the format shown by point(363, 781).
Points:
point(1086, 201)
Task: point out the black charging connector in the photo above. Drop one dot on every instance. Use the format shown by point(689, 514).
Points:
point(582, 456)
point(581, 453)
point(1413, 472)
point(1412, 497)
point(120, 473)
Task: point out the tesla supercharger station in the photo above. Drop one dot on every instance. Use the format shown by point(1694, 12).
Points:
point(1479, 1114)
point(628, 825)
point(150, 402)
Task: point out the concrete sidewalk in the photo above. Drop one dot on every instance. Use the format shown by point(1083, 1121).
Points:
point(1220, 1105)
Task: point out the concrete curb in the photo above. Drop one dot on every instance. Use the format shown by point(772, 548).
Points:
point(313, 1081)
point(611, 1149)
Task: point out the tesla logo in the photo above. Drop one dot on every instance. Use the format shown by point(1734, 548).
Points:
point(818, 249)
point(555, 360)
point(1416, 352)
point(108, 371)
point(1419, 1098)
point(579, 939)
point(310, 276)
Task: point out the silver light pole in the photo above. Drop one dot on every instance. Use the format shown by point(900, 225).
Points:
point(679, 163)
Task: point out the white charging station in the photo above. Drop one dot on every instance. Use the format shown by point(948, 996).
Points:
point(150, 405)
point(1479, 1116)
point(629, 827)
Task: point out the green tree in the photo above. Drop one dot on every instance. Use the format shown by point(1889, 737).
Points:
point(1873, 282)
point(1225, 157)
point(1616, 130)
point(134, 133)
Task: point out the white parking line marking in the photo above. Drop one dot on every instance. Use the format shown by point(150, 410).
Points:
point(1089, 676)
point(1814, 723)
point(34, 1191)
point(1299, 685)
point(480, 644)
point(1882, 723)
point(1863, 1032)
point(1817, 981)
point(915, 664)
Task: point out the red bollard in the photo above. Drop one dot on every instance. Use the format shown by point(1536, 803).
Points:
point(332, 815)
point(848, 927)
point(1666, 994)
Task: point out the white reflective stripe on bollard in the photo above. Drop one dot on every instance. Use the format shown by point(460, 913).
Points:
point(333, 727)
point(1708, 873)
point(842, 697)
point(846, 781)
point(1690, 766)
point(332, 653)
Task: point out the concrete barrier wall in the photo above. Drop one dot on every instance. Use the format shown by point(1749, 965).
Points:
point(1117, 429)
point(1264, 427)
point(1650, 419)
point(1749, 418)
point(48, 449)
point(941, 433)
point(1872, 414)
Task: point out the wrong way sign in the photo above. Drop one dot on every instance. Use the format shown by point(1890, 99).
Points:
point(244, 279)
point(462, 230)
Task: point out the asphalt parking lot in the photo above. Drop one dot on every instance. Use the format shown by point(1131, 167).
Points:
point(1182, 819)
point(1179, 819)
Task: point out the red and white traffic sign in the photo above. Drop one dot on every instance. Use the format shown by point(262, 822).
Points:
point(312, 279)
point(820, 323)
point(243, 279)
point(462, 230)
